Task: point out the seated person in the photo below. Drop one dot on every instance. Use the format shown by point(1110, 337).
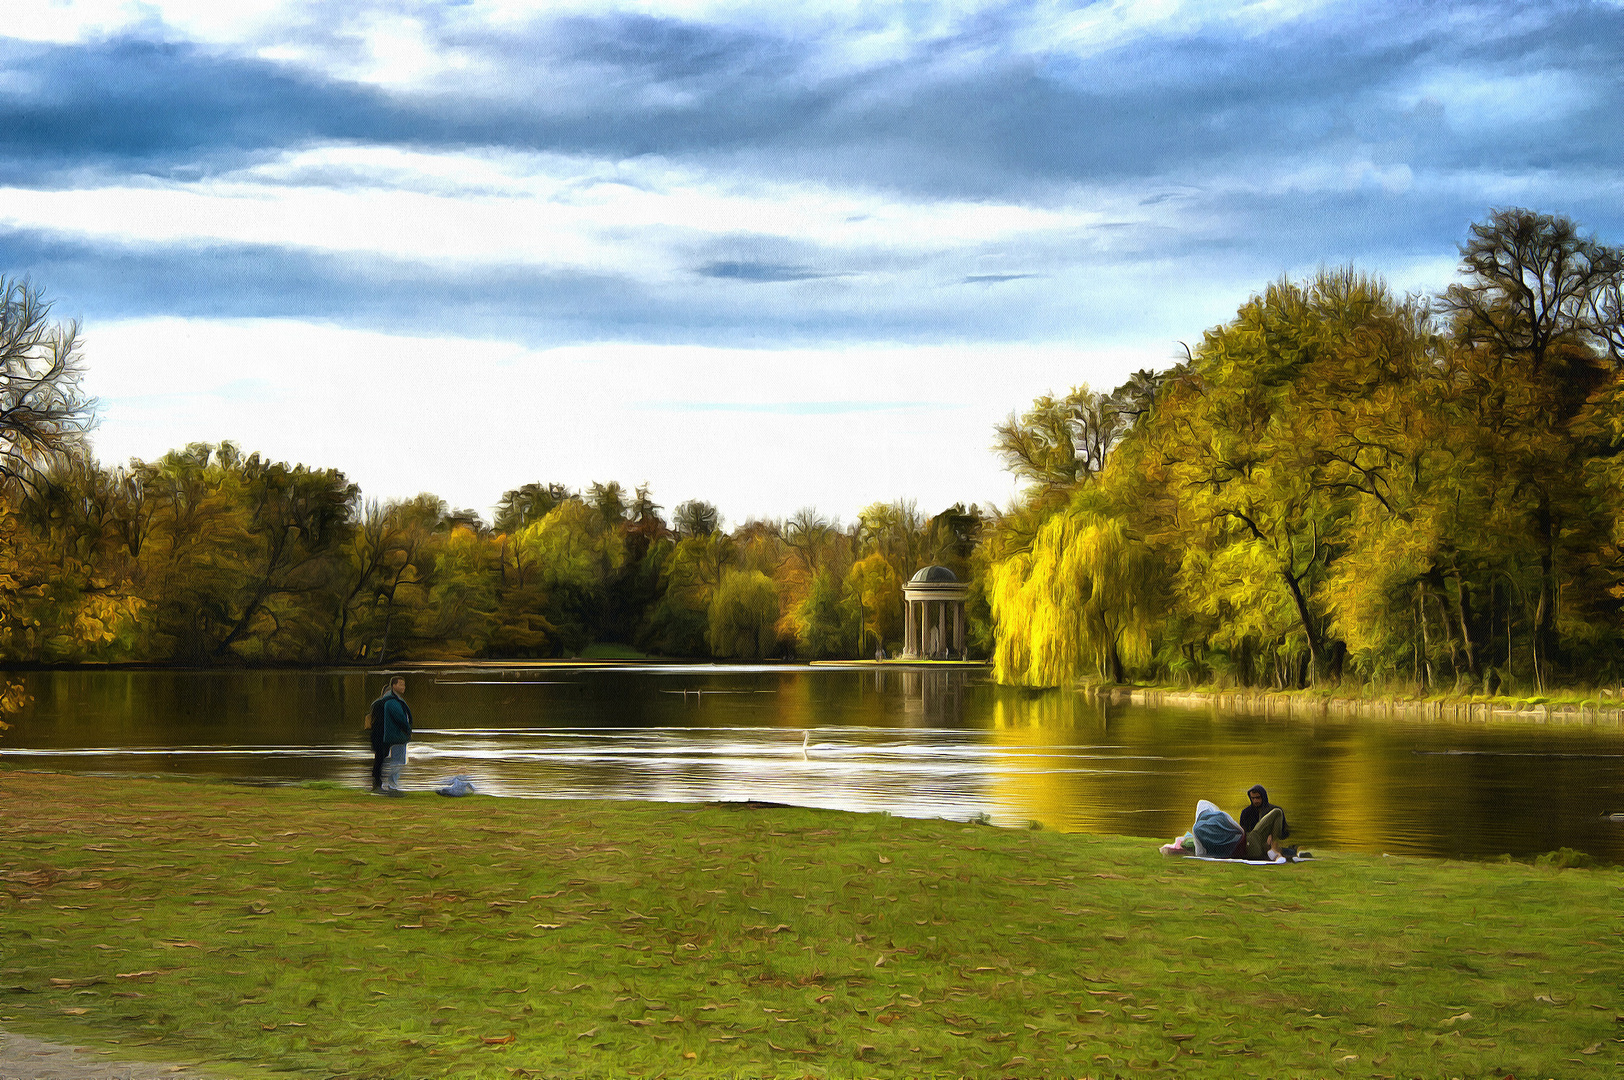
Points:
point(1216, 835)
point(1264, 824)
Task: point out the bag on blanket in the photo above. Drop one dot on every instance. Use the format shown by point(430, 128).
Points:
point(457, 785)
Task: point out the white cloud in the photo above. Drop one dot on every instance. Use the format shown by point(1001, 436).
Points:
point(639, 217)
point(759, 432)
point(1476, 103)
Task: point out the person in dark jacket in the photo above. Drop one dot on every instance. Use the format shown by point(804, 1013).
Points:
point(391, 731)
point(1264, 823)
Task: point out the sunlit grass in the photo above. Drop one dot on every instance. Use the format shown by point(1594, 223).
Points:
point(327, 933)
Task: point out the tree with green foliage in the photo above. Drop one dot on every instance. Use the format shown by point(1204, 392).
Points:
point(1082, 601)
point(744, 616)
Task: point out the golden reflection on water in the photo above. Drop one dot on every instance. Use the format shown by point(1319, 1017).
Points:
point(907, 740)
point(1035, 777)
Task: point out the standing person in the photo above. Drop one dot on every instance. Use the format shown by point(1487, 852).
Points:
point(1264, 823)
point(391, 731)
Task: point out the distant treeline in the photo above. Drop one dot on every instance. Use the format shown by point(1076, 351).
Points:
point(208, 555)
point(1338, 485)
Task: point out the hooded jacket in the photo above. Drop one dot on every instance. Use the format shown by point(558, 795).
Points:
point(1216, 833)
point(397, 721)
point(1250, 816)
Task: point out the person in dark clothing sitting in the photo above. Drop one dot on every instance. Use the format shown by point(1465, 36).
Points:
point(1264, 824)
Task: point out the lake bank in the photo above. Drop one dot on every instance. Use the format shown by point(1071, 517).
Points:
point(1606, 711)
point(329, 933)
point(909, 741)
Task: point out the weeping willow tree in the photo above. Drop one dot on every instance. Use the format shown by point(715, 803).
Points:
point(1081, 598)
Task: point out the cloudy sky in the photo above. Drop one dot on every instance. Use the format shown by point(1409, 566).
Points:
point(768, 255)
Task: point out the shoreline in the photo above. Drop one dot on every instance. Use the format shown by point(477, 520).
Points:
point(1312, 704)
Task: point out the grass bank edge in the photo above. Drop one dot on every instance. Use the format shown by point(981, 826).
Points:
point(1079, 925)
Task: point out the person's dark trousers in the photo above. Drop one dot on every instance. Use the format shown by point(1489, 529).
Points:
point(379, 755)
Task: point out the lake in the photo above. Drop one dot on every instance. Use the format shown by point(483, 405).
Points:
point(920, 742)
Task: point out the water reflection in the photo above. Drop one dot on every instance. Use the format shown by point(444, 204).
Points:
point(935, 742)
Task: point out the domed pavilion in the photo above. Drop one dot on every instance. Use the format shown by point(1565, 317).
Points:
point(934, 599)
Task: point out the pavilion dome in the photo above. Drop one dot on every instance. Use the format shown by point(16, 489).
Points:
point(933, 574)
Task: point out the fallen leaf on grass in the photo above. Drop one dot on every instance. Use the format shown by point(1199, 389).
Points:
point(639, 1023)
point(587, 1034)
point(824, 999)
point(74, 1012)
point(883, 859)
point(140, 974)
point(689, 1055)
point(1181, 1038)
point(1461, 1016)
point(408, 926)
point(258, 907)
point(504, 1040)
point(77, 982)
point(181, 944)
point(1548, 999)
point(889, 1018)
point(1345, 1060)
point(1593, 1048)
point(547, 926)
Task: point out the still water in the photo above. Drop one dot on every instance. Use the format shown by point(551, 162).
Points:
point(921, 743)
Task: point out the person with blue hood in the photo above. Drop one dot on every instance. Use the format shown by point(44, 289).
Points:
point(1215, 835)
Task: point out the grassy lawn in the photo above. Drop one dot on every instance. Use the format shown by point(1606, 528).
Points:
point(325, 932)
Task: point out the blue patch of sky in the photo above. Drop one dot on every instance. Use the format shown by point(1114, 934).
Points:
point(1165, 115)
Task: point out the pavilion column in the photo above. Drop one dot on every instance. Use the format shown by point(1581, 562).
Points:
point(958, 627)
point(908, 630)
point(941, 627)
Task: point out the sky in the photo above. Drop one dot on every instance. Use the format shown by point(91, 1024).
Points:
point(767, 255)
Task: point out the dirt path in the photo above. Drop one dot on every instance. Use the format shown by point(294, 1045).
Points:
point(22, 1058)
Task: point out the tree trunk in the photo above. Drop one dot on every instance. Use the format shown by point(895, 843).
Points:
point(1114, 659)
point(1427, 680)
point(1449, 637)
point(1545, 610)
point(1297, 598)
point(1463, 615)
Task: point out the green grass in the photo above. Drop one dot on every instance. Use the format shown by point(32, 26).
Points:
point(326, 933)
point(609, 650)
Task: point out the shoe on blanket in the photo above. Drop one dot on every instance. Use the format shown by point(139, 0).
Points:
point(1289, 852)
